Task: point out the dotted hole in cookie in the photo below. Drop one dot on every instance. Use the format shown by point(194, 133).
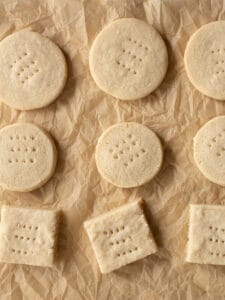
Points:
point(132, 56)
point(114, 230)
point(217, 254)
point(16, 236)
point(23, 160)
point(219, 62)
point(25, 238)
point(20, 137)
point(25, 252)
point(215, 228)
point(126, 67)
point(123, 146)
point(127, 252)
point(27, 226)
point(22, 149)
point(27, 68)
point(118, 242)
point(214, 140)
point(139, 44)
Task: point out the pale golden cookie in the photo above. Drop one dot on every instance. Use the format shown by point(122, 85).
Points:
point(28, 236)
point(120, 236)
point(128, 154)
point(206, 244)
point(128, 59)
point(33, 70)
point(27, 157)
point(205, 59)
point(209, 150)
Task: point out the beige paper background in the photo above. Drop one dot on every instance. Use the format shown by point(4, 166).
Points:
point(76, 120)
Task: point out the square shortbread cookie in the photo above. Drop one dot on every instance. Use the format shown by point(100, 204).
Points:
point(206, 243)
point(120, 236)
point(28, 236)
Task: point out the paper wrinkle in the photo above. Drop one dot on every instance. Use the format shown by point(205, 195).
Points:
point(175, 111)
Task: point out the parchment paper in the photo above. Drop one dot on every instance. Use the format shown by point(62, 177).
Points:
point(175, 111)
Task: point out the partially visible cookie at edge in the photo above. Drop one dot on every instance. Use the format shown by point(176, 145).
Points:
point(206, 237)
point(209, 150)
point(205, 60)
point(128, 154)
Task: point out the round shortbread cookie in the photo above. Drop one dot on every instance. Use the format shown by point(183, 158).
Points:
point(205, 59)
point(128, 59)
point(128, 154)
point(33, 70)
point(209, 150)
point(27, 157)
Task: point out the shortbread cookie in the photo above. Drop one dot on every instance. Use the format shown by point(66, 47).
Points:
point(206, 243)
point(128, 154)
point(209, 150)
point(28, 236)
point(205, 59)
point(128, 59)
point(120, 237)
point(33, 70)
point(27, 157)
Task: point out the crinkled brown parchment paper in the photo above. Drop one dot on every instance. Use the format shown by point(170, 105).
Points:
point(76, 120)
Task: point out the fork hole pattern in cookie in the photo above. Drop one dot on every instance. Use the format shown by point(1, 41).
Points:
point(131, 55)
point(24, 238)
point(121, 241)
point(26, 149)
point(138, 44)
point(24, 67)
point(113, 230)
point(127, 145)
point(16, 160)
point(216, 240)
point(127, 252)
point(18, 251)
point(21, 138)
point(217, 254)
point(219, 55)
point(216, 139)
point(22, 149)
point(215, 228)
point(26, 226)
